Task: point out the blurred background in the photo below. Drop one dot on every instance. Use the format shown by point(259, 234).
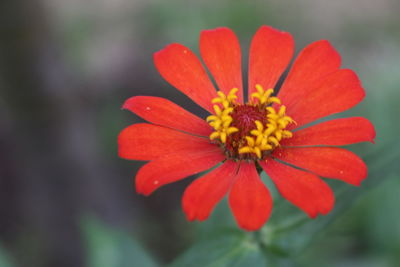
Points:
point(66, 199)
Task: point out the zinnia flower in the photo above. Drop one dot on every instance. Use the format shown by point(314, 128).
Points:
point(239, 139)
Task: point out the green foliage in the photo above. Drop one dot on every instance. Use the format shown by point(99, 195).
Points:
point(227, 248)
point(107, 247)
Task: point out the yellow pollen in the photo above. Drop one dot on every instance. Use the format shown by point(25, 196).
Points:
point(264, 97)
point(251, 147)
point(221, 121)
point(267, 134)
point(226, 101)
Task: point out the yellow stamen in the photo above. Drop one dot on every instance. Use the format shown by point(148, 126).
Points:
point(262, 139)
point(264, 96)
point(279, 121)
point(267, 133)
point(214, 135)
point(221, 121)
point(251, 147)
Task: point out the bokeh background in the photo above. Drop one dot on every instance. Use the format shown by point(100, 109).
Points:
point(66, 199)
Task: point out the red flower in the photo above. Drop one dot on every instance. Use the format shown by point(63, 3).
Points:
point(238, 137)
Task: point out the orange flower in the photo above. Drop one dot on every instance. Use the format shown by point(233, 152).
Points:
point(238, 137)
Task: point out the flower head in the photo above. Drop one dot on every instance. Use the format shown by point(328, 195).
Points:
point(268, 131)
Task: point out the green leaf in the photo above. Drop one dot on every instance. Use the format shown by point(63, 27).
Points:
point(229, 248)
point(111, 247)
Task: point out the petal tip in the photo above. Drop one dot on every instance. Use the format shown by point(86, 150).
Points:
point(312, 215)
point(371, 130)
point(143, 191)
point(157, 54)
point(221, 28)
point(166, 49)
point(143, 188)
point(270, 28)
point(128, 103)
point(325, 43)
point(373, 136)
point(190, 216)
point(250, 228)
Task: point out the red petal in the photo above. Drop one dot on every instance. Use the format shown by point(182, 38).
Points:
point(203, 194)
point(249, 199)
point(340, 91)
point(302, 189)
point(329, 162)
point(220, 50)
point(174, 167)
point(179, 66)
point(161, 111)
point(334, 133)
point(148, 141)
point(314, 63)
point(270, 53)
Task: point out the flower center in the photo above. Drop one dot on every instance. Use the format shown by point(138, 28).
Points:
point(250, 131)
